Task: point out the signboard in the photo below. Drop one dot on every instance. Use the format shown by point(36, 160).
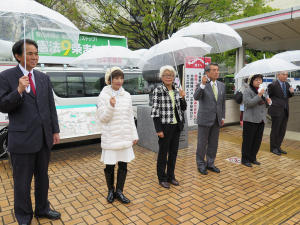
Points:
point(78, 120)
point(194, 68)
point(59, 48)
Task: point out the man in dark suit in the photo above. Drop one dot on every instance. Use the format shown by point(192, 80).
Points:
point(280, 92)
point(32, 131)
point(211, 115)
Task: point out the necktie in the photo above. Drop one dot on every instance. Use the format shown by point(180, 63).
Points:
point(284, 92)
point(215, 91)
point(31, 84)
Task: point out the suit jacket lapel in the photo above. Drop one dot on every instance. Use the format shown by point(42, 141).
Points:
point(280, 88)
point(38, 84)
point(208, 86)
point(219, 91)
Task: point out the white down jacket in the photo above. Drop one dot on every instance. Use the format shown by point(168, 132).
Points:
point(118, 127)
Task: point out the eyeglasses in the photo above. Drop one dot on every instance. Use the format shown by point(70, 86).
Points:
point(168, 76)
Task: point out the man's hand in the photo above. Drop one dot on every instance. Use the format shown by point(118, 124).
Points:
point(269, 101)
point(112, 101)
point(181, 93)
point(135, 141)
point(291, 89)
point(261, 92)
point(204, 79)
point(160, 134)
point(56, 138)
point(223, 121)
point(23, 83)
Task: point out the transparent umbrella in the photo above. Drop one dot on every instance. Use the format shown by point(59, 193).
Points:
point(267, 67)
point(290, 56)
point(218, 35)
point(20, 18)
point(173, 52)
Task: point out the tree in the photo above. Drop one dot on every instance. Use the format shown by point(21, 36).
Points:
point(148, 22)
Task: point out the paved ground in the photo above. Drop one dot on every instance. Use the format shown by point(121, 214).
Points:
point(265, 194)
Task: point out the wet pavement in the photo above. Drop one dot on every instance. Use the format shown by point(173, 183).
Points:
point(265, 194)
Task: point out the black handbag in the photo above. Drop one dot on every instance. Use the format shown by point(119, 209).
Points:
point(238, 97)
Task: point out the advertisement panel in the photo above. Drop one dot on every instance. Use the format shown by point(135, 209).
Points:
point(194, 69)
point(59, 49)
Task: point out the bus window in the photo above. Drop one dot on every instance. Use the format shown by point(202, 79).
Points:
point(94, 83)
point(134, 83)
point(59, 83)
point(75, 86)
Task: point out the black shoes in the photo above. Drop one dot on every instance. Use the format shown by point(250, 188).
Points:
point(247, 164)
point(214, 169)
point(121, 177)
point(174, 182)
point(276, 152)
point(164, 184)
point(281, 151)
point(255, 162)
point(110, 185)
point(52, 215)
point(203, 171)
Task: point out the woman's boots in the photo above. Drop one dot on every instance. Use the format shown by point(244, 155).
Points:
point(110, 185)
point(121, 177)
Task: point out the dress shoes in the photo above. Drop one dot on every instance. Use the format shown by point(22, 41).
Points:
point(213, 168)
point(255, 162)
point(203, 171)
point(174, 182)
point(52, 215)
point(164, 184)
point(276, 152)
point(281, 151)
point(247, 164)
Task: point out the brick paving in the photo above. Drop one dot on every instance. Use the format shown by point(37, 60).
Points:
point(78, 188)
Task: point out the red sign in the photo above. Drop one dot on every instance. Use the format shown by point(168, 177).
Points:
point(196, 62)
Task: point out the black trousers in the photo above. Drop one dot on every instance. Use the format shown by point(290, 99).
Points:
point(25, 166)
point(278, 130)
point(168, 144)
point(252, 136)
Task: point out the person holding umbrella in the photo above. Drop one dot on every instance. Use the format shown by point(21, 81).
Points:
point(254, 118)
point(33, 130)
point(118, 131)
point(167, 112)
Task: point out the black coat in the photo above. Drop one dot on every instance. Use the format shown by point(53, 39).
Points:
point(30, 116)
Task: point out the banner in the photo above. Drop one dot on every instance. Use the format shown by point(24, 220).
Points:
point(194, 68)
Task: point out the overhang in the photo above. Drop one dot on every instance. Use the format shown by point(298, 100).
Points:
point(275, 31)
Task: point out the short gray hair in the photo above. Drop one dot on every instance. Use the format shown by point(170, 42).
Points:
point(164, 68)
point(207, 68)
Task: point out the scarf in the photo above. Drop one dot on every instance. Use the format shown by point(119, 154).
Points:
point(263, 100)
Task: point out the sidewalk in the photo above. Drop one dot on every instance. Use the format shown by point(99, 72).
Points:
point(265, 194)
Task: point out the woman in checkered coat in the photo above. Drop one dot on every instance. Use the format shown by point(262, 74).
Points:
point(167, 112)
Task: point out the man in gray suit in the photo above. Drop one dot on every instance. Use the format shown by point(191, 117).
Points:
point(211, 115)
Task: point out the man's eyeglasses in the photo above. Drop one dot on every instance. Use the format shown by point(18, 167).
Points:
point(168, 76)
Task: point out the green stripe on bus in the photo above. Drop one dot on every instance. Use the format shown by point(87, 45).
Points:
point(75, 106)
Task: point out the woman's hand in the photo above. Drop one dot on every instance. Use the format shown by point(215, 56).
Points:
point(269, 101)
point(112, 101)
point(135, 141)
point(181, 93)
point(160, 134)
point(261, 92)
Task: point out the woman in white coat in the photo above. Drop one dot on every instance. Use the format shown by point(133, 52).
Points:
point(118, 131)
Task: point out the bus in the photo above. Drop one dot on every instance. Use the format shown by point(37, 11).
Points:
point(229, 83)
point(75, 94)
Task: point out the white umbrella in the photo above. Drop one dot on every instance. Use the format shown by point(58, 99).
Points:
point(290, 56)
point(141, 51)
point(173, 52)
point(266, 66)
point(98, 57)
point(18, 18)
point(218, 35)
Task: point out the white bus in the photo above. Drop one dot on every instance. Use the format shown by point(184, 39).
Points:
point(75, 94)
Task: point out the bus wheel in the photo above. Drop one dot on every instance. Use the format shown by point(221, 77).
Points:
point(3, 143)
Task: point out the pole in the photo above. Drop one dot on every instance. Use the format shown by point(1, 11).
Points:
point(24, 51)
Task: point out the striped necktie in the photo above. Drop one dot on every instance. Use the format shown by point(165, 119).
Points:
point(284, 92)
